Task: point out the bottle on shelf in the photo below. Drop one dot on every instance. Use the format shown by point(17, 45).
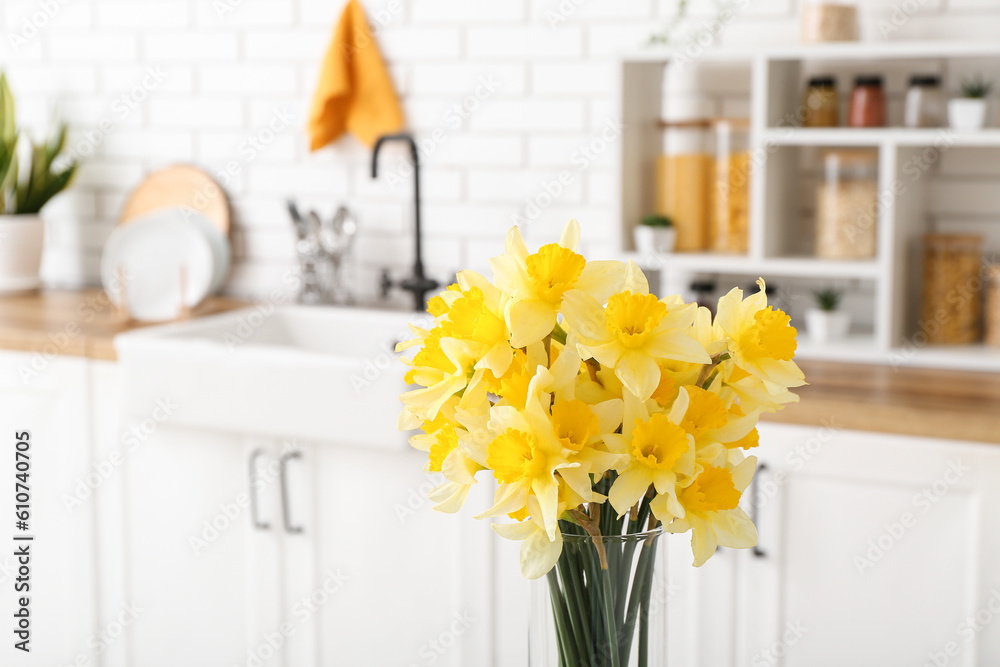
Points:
point(847, 204)
point(925, 103)
point(992, 328)
point(820, 107)
point(867, 107)
point(682, 182)
point(828, 21)
point(730, 220)
point(951, 308)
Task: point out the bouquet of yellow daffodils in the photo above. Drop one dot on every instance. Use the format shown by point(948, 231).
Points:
point(574, 387)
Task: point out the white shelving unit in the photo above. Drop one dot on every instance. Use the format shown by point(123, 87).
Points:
point(776, 80)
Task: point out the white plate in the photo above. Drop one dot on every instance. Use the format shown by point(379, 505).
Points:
point(218, 241)
point(152, 251)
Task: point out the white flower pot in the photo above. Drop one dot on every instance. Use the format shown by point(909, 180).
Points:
point(22, 238)
point(825, 326)
point(654, 240)
point(966, 114)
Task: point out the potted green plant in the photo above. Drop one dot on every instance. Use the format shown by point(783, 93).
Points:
point(826, 323)
point(968, 112)
point(655, 234)
point(26, 185)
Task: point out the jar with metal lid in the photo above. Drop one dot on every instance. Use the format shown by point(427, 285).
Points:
point(925, 104)
point(847, 205)
point(819, 104)
point(730, 222)
point(951, 309)
point(992, 328)
point(867, 107)
point(683, 173)
point(828, 21)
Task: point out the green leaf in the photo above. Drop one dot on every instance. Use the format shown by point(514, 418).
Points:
point(37, 183)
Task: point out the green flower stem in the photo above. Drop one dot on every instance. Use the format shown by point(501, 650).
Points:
point(575, 606)
point(644, 617)
point(609, 617)
point(567, 650)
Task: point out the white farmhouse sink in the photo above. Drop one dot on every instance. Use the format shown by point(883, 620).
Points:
point(292, 372)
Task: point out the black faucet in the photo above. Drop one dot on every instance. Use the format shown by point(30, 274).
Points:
point(418, 284)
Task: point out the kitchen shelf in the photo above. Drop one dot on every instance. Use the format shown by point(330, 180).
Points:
point(765, 84)
point(743, 264)
point(878, 137)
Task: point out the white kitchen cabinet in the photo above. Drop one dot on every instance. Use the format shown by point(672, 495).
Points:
point(874, 550)
point(192, 554)
point(48, 397)
point(391, 566)
point(343, 562)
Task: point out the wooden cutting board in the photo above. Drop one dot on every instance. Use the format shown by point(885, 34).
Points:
point(180, 185)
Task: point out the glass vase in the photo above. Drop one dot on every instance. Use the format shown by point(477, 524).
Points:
point(603, 604)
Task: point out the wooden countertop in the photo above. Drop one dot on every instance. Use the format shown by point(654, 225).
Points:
point(74, 323)
point(935, 403)
point(953, 405)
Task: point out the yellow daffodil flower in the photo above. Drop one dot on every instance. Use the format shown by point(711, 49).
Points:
point(760, 338)
point(565, 374)
point(525, 454)
point(537, 282)
point(539, 551)
point(711, 510)
point(633, 333)
point(656, 450)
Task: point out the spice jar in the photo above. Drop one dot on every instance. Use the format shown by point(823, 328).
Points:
point(819, 104)
point(950, 309)
point(729, 228)
point(925, 105)
point(847, 205)
point(867, 108)
point(992, 333)
point(683, 172)
point(825, 21)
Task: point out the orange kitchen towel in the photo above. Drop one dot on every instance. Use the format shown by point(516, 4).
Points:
point(355, 93)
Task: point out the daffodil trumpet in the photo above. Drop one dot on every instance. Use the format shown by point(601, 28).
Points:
point(604, 416)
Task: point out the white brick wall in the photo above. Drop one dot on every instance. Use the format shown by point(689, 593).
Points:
point(228, 72)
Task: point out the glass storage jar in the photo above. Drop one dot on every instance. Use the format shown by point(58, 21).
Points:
point(828, 21)
point(682, 182)
point(847, 205)
point(867, 107)
point(992, 329)
point(819, 104)
point(925, 105)
point(950, 310)
point(730, 220)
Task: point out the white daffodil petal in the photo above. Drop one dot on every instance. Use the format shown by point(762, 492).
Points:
point(635, 279)
point(515, 531)
point(515, 245)
point(734, 529)
point(539, 554)
point(530, 321)
point(639, 373)
point(449, 497)
point(570, 237)
point(601, 279)
point(630, 486)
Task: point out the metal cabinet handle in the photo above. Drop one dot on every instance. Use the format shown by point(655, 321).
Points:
point(285, 511)
point(754, 505)
point(254, 509)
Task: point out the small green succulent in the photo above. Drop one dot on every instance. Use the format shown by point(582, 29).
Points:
point(828, 299)
point(977, 88)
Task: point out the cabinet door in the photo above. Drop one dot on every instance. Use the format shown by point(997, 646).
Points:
point(876, 550)
point(202, 561)
point(401, 584)
point(47, 396)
